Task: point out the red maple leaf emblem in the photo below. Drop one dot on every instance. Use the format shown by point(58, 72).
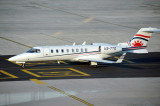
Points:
point(137, 43)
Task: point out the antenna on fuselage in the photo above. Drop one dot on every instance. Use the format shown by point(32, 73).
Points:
point(84, 43)
point(74, 44)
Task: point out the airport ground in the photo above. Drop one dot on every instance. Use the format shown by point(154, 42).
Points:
point(47, 83)
point(25, 24)
point(133, 66)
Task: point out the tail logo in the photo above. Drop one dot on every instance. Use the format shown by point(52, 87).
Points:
point(137, 43)
point(142, 37)
point(139, 40)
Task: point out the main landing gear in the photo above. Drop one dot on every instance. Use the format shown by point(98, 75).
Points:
point(23, 65)
point(94, 64)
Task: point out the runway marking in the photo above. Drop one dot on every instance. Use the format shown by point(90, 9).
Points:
point(58, 33)
point(55, 72)
point(74, 97)
point(26, 71)
point(40, 63)
point(38, 81)
point(56, 37)
point(58, 90)
point(88, 20)
point(63, 62)
point(15, 42)
point(8, 74)
point(85, 74)
point(83, 16)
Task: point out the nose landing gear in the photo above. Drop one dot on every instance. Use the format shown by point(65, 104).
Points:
point(23, 64)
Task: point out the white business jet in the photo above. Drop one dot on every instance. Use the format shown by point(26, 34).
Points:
point(94, 53)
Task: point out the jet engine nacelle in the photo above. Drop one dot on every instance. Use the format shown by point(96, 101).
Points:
point(109, 49)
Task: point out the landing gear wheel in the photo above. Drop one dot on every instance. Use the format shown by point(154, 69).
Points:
point(94, 64)
point(23, 65)
point(58, 62)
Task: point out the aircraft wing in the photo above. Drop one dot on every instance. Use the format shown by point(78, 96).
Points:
point(104, 61)
point(98, 60)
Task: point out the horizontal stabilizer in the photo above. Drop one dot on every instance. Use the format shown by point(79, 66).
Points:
point(139, 51)
point(151, 30)
point(104, 61)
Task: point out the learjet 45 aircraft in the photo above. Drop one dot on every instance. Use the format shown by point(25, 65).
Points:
point(94, 53)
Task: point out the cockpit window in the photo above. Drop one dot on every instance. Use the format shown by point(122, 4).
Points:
point(34, 51)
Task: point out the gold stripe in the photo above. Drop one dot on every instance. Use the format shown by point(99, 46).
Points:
point(15, 42)
point(11, 76)
point(74, 97)
point(58, 33)
point(30, 73)
point(88, 20)
point(38, 81)
point(63, 62)
point(58, 72)
point(85, 74)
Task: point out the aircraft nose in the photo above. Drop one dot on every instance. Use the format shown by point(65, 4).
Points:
point(19, 58)
point(12, 58)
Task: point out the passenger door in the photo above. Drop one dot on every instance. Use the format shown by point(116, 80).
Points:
point(46, 52)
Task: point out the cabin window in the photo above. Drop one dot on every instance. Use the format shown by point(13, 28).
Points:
point(51, 51)
point(67, 50)
point(77, 50)
point(82, 50)
point(73, 50)
point(86, 50)
point(62, 50)
point(99, 48)
point(34, 50)
point(57, 51)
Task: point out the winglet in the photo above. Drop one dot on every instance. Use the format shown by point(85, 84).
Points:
point(121, 58)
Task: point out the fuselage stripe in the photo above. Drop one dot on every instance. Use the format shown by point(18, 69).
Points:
point(133, 48)
point(77, 54)
point(139, 38)
point(74, 54)
point(142, 36)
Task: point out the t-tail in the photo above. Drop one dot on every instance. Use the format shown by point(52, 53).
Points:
point(138, 43)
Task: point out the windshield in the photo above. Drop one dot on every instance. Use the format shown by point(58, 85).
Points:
point(34, 51)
